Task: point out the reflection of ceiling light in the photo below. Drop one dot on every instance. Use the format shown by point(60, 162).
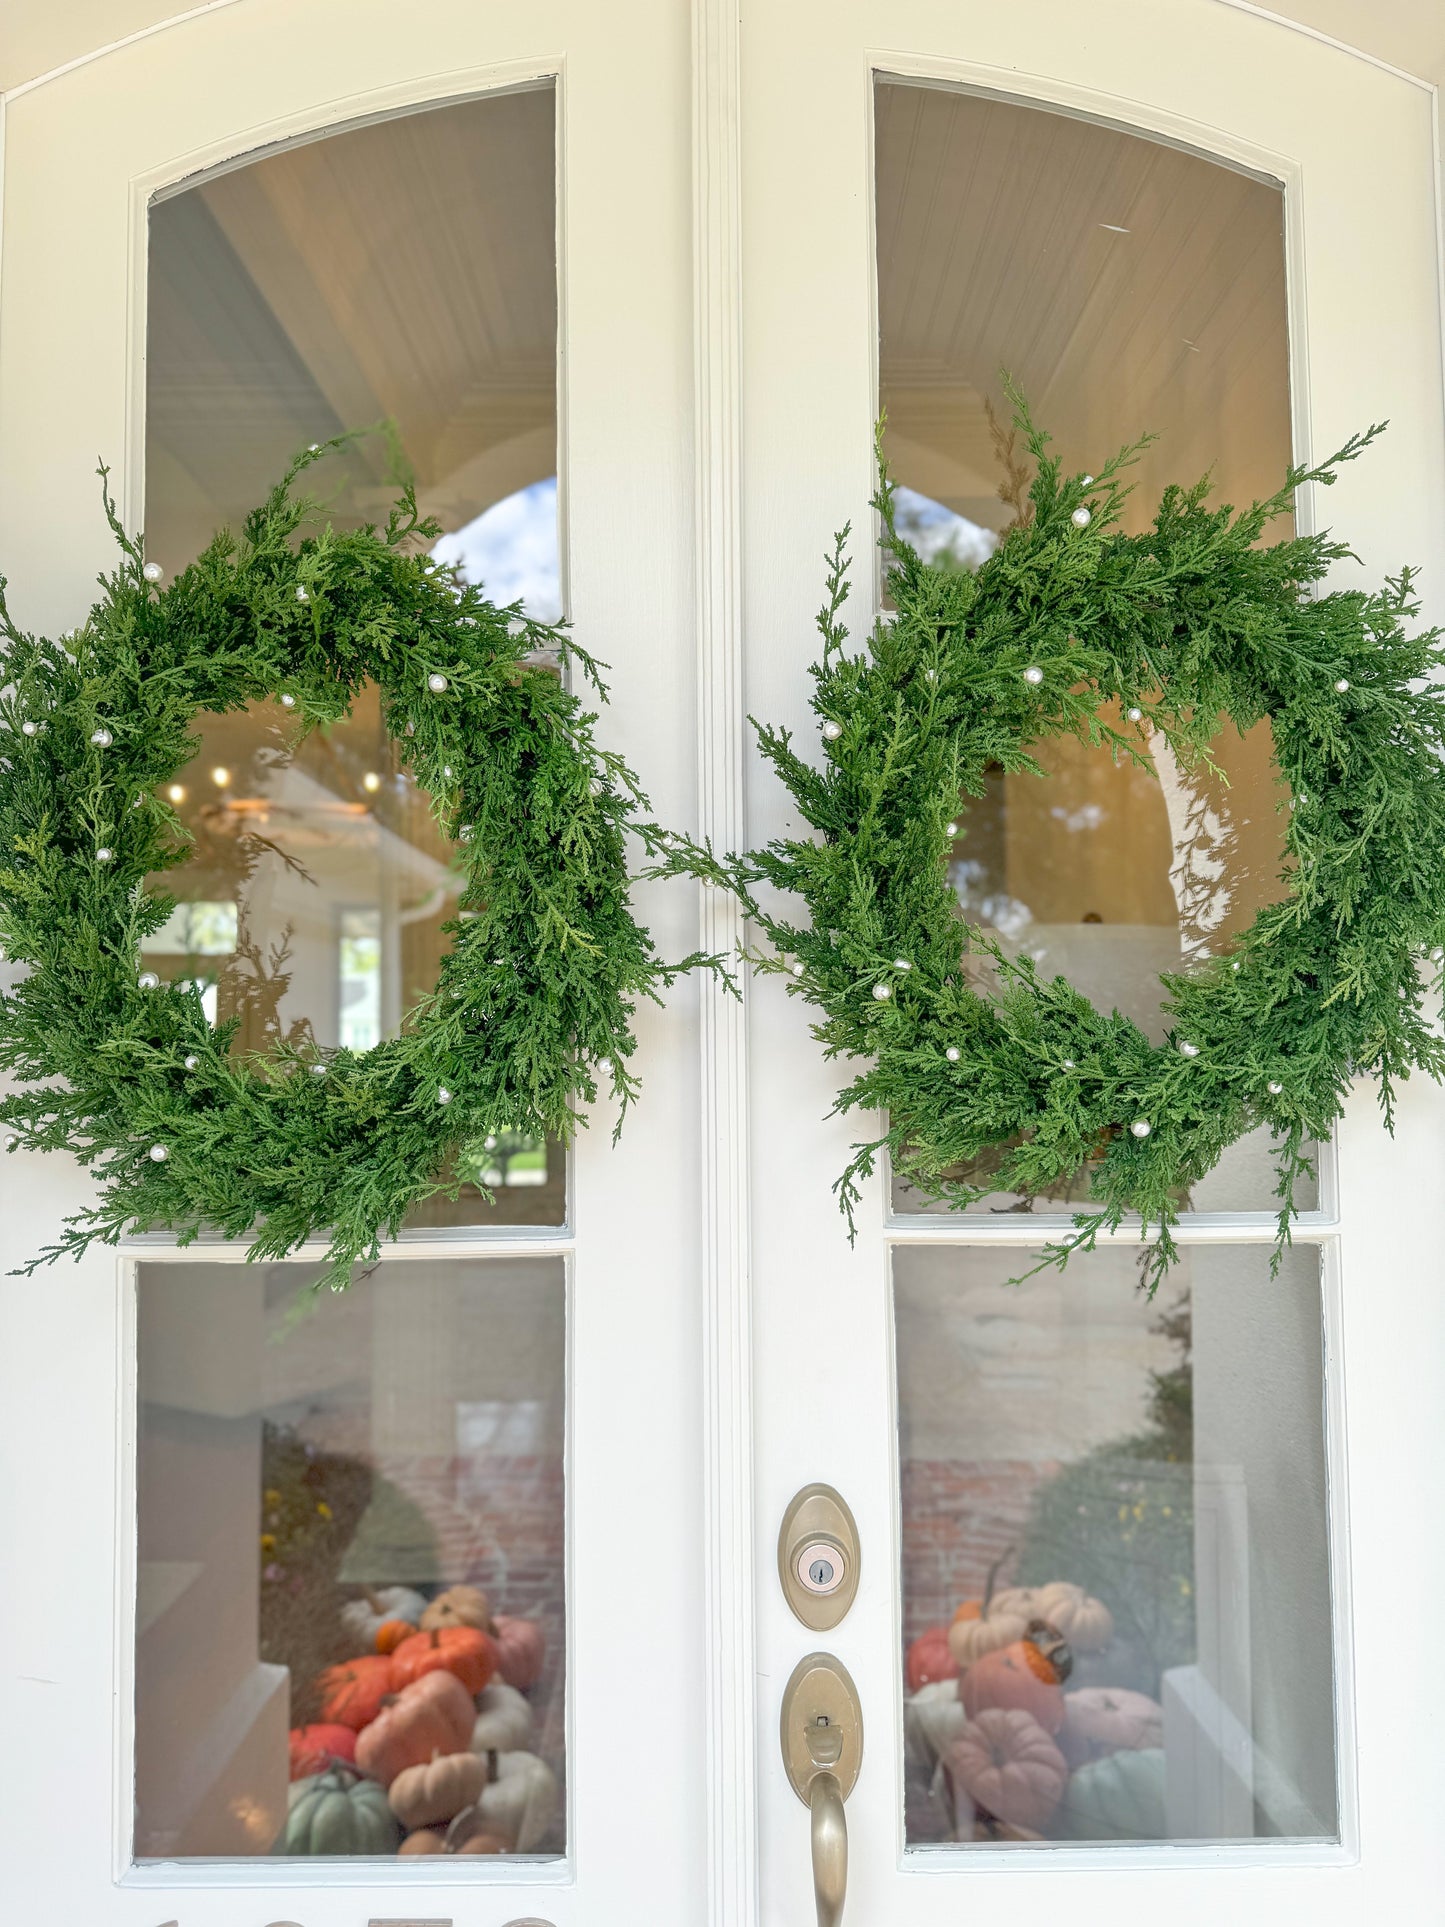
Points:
point(177, 792)
point(371, 781)
point(220, 776)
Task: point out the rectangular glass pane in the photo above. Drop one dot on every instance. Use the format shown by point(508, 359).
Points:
point(351, 1557)
point(1129, 287)
point(1116, 1581)
point(318, 899)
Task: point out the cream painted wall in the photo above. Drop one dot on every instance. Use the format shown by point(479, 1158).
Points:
point(36, 38)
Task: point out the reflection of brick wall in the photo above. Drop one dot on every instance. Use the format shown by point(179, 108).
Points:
point(959, 1516)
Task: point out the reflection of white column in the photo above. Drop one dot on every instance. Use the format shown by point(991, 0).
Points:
point(211, 1719)
point(388, 896)
point(414, 1362)
point(1209, 1753)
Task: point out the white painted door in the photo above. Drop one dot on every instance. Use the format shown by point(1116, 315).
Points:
point(1178, 219)
point(220, 240)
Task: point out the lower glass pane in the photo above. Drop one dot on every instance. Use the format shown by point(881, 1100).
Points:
point(1116, 1584)
point(349, 1626)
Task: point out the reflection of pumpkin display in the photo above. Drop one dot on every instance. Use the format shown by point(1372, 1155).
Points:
point(931, 1719)
point(313, 1748)
point(1101, 1720)
point(520, 1650)
point(1085, 1622)
point(352, 1692)
point(504, 1720)
point(463, 1650)
point(363, 1618)
point(519, 1804)
point(433, 1715)
point(391, 1632)
point(457, 1606)
point(1118, 1798)
point(1021, 1677)
point(930, 1658)
point(338, 1812)
point(1005, 1764)
point(972, 1638)
point(437, 1790)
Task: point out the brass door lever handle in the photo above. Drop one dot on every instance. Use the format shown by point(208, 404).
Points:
point(822, 1737)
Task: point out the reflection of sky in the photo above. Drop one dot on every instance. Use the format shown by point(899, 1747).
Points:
point(940, 535)
point(511, 550)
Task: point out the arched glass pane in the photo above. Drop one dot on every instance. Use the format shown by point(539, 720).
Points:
point(400, 274)
point(1128, 287)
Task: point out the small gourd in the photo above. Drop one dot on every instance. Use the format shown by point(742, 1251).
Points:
point(458, 1606)
point(361, 1617)
point(436, 1792)
point(1085, 1622)
point(391, 1632)
point(338, 1813)
point(518, 1805)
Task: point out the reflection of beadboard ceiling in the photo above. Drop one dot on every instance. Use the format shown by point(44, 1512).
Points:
point(402, 271)
point(1000, 247)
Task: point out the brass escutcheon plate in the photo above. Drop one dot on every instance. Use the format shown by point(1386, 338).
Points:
point(818, 1524)
point(821, 1688)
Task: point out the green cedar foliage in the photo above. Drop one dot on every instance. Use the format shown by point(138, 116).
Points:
point(534, 1001)
point(1191, 622)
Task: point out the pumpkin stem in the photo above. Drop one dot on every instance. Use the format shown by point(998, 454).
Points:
point(993, 1573)
point(373, 1599)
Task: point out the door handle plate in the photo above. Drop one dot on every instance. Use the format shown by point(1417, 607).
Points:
point(821, 1697)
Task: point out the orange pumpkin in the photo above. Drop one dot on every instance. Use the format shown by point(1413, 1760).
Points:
point(433, 1715)
point(970, 1609)
point(314, 1748)
point(930, 1659)
point(391, 1632)
point(465, 1651)
point(458, 1606)
point(1007, 1767)
point(520, 1648)
point(351, 1693)
point(1016, 1678)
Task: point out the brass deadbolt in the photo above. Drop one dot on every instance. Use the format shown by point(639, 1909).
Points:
point(818, 1557)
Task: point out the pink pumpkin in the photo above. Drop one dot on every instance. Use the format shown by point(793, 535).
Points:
point(1100, 1720)
point(930, 1659)
point(520, 1651)
point(1008, 1768)
point(434, 1715)
point(314, 1748)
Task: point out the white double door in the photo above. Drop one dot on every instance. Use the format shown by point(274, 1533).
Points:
point(718, 378)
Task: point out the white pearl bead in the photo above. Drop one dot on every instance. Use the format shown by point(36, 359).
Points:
point(301, 595)
point(1274, 1087)
point(951, 829)
point(1136, 715)
point(148, 980)
point(447, 771)
point(1081, 518)
point(901, 963)
point(1141, 1127)
point(288, 701)
point(1235, 964)
point(11, 1142)
point(152, 571)
point(953, 1053)
point(102, 738)
point(105, 854)
point(464, 834)
point(1188, 1050)
point(832, 731)
point(882, 992)
point(436, 683)
point(797, 969)
point(192, 1061)
point(930, 675)
point(1088, 481)
point(1033, 674)
point(1341, 686)
point(489, 1144)
point(158, 1154)
point(313, 448)
point(318, 1070)
point(1068, 1063)
point(444, 1096)
point(28, 728)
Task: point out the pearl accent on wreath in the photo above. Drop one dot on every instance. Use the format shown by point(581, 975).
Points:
point(1274, 1087)
point(953, 1053)
point(901, 963)
point(447, 771)
point(11, 1142)
point(832, 731)
point(192, 1061)
point(1088, 481)
point(313, 448)
point(1341, 685)
point(950, 829)
point(444, 1096)
point(158, 1154)
point(796, 969)
point(152, 571)
point(1136, 715)
point(102, 738)
point(1188, 1050)
point(1235, 964)
point(29, 728)
point(318, 1070)
point(1141, 1127)
point(148, 980)
point(301, 595)
point(437, 683)
point(105, 854)
point(288, 701)
point(1033, 674)
point(1068, 1063)
point(883, 992)
point(1081, 518)
point(464, 834)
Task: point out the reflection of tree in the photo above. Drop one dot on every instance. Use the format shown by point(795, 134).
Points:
point(1207, 864)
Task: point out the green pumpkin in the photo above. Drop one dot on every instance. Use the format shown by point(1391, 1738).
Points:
point(1118, 1798)
point(338, 1813)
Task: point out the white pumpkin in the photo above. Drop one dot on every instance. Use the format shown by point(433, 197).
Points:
point(1085, 1622)
point(519, 1803)
point(504, 1720)
point(932, 1717)
point(365, 1616)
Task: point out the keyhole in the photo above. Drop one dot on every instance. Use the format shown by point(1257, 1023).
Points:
point(821, 1572)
